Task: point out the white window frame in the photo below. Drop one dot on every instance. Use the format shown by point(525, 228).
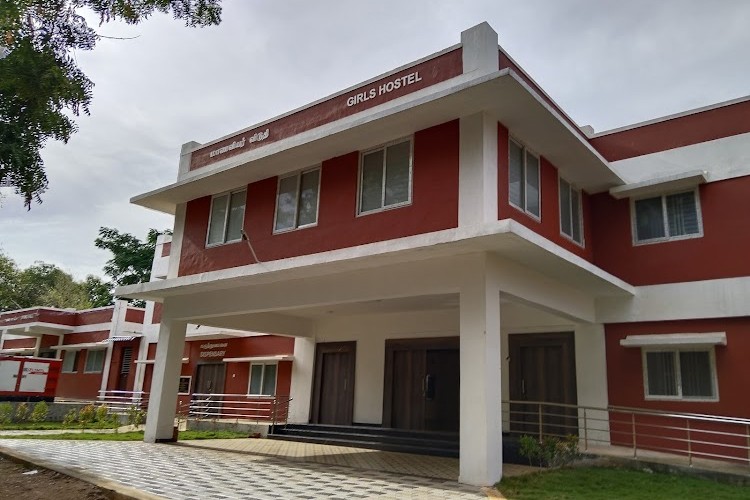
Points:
point(75, 358)
point(663, 196)
point(262, 379)
point(299, 175)
point(226, 217)
point(86, 362)
point(190, 384)
point(383, 207)
point(581, 222)
point(678, 374)
point(526, 151)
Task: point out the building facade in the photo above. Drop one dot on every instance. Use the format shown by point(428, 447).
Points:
point(443, 238)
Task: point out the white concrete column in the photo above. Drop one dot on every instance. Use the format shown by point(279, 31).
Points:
point(481, 52)
point(2, 338)
point(140, 368)
point(477, 170)
point(162, 405)
point(481, 438)
point(302, 375)
point(38, 346)
point(58, 352)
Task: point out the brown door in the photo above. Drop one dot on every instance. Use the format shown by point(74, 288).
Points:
point(542, 370)
point(422, 384)
point(210, 379)
point(126, 359)
point(333, 384)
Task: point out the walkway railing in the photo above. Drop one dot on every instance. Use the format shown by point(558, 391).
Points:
point(691, 434)
point(118, 402)
point(267, 409)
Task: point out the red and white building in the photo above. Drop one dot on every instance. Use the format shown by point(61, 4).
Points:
point(97, 346)
point(444, 237)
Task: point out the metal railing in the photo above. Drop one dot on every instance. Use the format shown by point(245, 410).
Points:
point(689, 434)
point(267, 409)
point(118, 402)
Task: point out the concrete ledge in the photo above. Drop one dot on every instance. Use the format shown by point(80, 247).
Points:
point(115, 490)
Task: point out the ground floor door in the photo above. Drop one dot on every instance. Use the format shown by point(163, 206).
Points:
point(333, 383)
point(543, 370)
point(126, 359)
point(209, 379)
point(422, 384)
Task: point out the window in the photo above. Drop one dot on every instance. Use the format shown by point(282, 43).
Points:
point(662, 218)
point(70, 362)
point(227, 217)
point(94, 361)
point(262, 380)
point(524, 185)
point(680, 374)
point(385, 177)
point(184, 385)
point(297, 200)
point(571, 215)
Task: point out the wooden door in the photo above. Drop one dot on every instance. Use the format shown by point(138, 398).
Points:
point(126, 358)
point(542, 370)
point(333, 383)
point(441, 399)
point(209, 379)
point(421, 389)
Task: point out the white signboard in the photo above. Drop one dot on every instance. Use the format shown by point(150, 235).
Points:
point(9, 374)
point(34, 377)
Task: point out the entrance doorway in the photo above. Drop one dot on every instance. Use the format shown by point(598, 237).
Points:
point(209, 378)
point(333, 383)
point(126, 359)
point(543, 370)
point(422, 384)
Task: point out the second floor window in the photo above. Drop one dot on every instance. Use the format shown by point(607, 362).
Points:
point(524, 179)
point(297, 200)
point(667, 217)
point(227, 217)
point(94, 361)
point(385, 177)
point(571, 216)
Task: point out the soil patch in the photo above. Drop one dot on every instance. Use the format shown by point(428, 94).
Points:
point(44, 484)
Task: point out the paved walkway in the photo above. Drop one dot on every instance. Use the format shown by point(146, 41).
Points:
point(189, 472)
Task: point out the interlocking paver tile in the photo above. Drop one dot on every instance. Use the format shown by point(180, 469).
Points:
point(184, 473)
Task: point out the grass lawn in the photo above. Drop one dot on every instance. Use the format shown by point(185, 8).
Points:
point(130, 436)
point(50, 426)
point(614, 483)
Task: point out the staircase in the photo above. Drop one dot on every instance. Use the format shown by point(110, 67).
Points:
point(443, 444)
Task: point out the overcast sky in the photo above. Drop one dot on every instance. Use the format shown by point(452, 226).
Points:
point(607, 63)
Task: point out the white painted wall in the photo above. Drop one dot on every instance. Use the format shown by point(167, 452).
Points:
point(722, 159)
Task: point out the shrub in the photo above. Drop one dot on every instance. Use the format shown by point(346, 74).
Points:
point(136, 416)
point(102, 414)
point(87, 415)
point(549, 451)
point(22, 412)
point(40, 412)
point(6, 413)
point(70, 418)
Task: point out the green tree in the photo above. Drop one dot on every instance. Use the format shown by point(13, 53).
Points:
point(43, 284)
point(42, 88)
point(98, 290)
point(131, 258)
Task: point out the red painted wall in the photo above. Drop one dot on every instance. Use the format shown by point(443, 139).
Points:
point(434, 207)
point(549, 225)
point(625, 385)
point(134, 315)
point(722, 252)
point(431, 71)
point(79, 385)
point(695, 128)
point(94, 317)
point(23, 343)
point(42, 315)
point(166, 248)
point(156, 316)
point(85, 337)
